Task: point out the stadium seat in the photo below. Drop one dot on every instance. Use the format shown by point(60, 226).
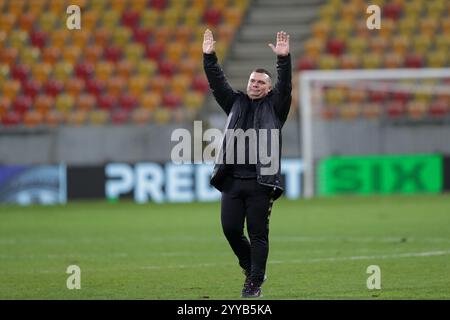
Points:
point(71, 54)
point(328, 61)
point(130, 18)
point(102, 36)
point(414, 61)
point(193, 100)
point(158, 4)
point(392, 11)
point(120, 117)
point(53, 87)
point(106, 101)
point(115, 85)
point(349, 61)
point(416, 109)
point(64, 103)
point(439, 109)
point(31, 88)
point(150, 100)
point(349, 111)
point(51, 55)
point(357, 95)
point(113, 54)
point(162, 116)
point(125, 68)
point(372, 110)
point(437, 59)
point(84, 70)
point(62, 71)
point(43, 103)
point(395, 109)
point(11, 88)
point(141, 116)
point(305, 63)
point(91, 18)
point(142, 35)
point(200, 84)
point(22, 104)
point(149, 18)
point(393, 60)
point(127, 102)
point(92, 53)
point(20, 72)
point(81, 37)
point(76, 118)
point(18, 39)
point(167, 68)
point(98, 117)
point(29, 56)
point(171, 100)
point(137, 85)
point(154, 51)
point(95, 86)
point(146, 68)
point(75, 86)
point(11, 118)
point(7, 21)
point(104, 70)
point(86, 102)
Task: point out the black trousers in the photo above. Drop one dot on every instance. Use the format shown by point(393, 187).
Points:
point(245, 200)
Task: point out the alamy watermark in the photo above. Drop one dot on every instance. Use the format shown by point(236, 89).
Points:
point(74, 280)
point(374, 280)
point(260, 143)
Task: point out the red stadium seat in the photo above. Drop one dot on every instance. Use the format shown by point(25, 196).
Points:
point(95, 86)
point(11, 118)
point(306, 63)
point(414, 61)
point(31, 88)
point(395, 109)
point(119, 117)
point(38, 38)
point(171, 101)
point(113, 54)
point(158, 4)
point(335, 46)
point(142, 35)
point(106, 101)
point(212, 17)
point(84, 70)
point(53, 87)
point(200, 83)
point(20, 72)
point(392, 11)
point(439, 109)
point(127, 102)
point(167, 68)
point(154, 51)
point(22, 104)
point(130, 18)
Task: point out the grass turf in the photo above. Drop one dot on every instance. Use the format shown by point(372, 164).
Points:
point(319, 249)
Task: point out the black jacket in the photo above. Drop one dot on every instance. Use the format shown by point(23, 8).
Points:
point(271, 113)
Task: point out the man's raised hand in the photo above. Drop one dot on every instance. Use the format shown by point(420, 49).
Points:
point(208, 42)
point(282, 46)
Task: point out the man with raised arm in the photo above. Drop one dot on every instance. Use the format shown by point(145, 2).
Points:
point(249, 187)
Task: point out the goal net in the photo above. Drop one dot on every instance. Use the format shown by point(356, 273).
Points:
point(371, 112)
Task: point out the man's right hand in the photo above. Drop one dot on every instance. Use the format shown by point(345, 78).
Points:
point(208, 42)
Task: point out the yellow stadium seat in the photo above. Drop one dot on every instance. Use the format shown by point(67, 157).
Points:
point(18, 39)
point(175, 51)
point(357, 95)
point(349, 61)
point(357, 45)
point(36, 7)
point(104, 70)
point(446, 25)
point(388, 27)
point(171, 17)
point(233, 16)
point(71, 54)
point(443, 42)
point(159, 83)
point(416, 109)
point(11, 88)
point(146, 68)
point(115, 85)
point(349, 12)
point(57, 6)
point(199, 4)
point(428, 26)
point(137, 85)
point(98, 117)
point(437, 59)
point(195, 51)
point(121, 36)
point(407, 26)
point(349, 111)
point(327, 12)
point(98, 5)
point(64, 102)
point(180, 84)
point(162, 116)
point(141, 116)
point(29, 55)
point(16, 7)
point(32, 118)
point(400, 44)
point(60, 37)
point(3, 37)
point(422, 43)
point(378, 44)
point(7, 21)
point(139, 5)
point(4, 72)
point(63, 70)
point(43, 103)
point(54, 118)
point(76, 118)
point(371, 110)
point(328, 61)
point(125, 68)
point(371, 61)
point(51, 54)
point(134, 52)
point(41, 71)
point(225, 33)
point(342, 29)
point(149, 18)
point(188, 66)
point(183, 34)
point(150, 100)
point(102, 36)
point(118, 5)
point(5, 105)
point(193, 100)
point(93, 53)
point(74, 86)
point(81, 37)
point(85, 102)
point(47, 21)
point(335, 96)
point(162, 34)
point(192, 17)
point(314, 47)
point(321, 30)
point(110, 19)
point(393, 60)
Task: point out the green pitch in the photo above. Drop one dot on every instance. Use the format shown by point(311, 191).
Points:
point(320, 249)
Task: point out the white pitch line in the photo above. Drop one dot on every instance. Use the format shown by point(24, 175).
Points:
point(314, 260)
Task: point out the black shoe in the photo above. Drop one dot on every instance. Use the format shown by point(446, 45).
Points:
point(252, 289)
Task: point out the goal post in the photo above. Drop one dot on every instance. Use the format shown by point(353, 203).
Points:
point(363, 112)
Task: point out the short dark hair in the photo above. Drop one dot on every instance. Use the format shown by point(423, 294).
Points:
point(261, 70)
